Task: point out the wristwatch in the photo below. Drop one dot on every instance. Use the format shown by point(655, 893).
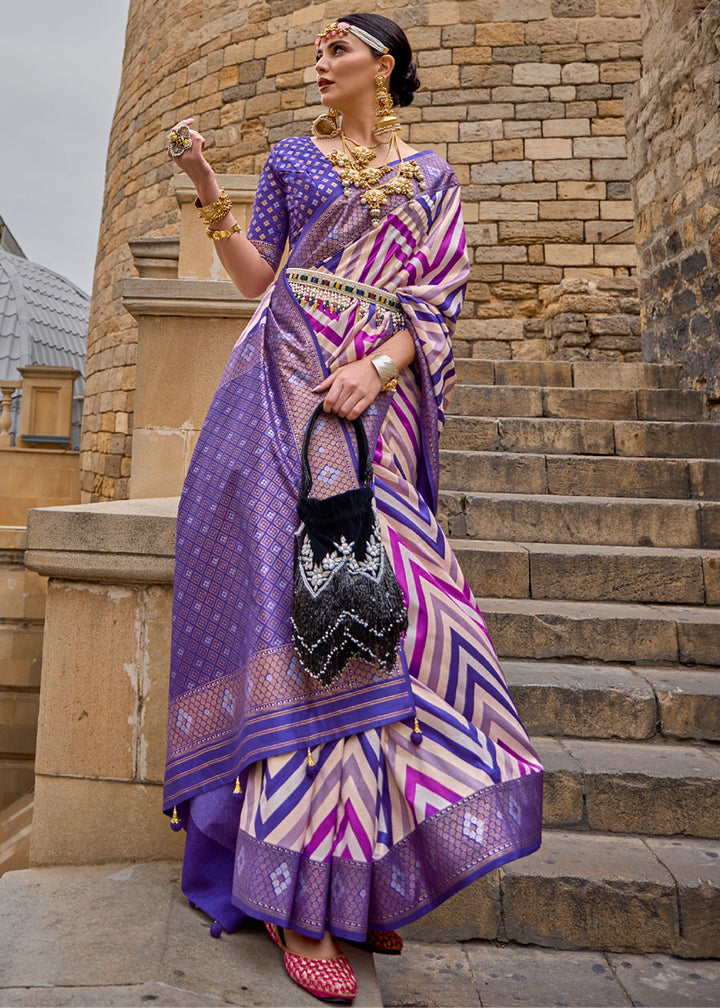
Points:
point(387, 369)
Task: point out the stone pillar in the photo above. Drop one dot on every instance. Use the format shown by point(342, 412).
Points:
point(673, 125)
point(101, 733)
point(189, 318)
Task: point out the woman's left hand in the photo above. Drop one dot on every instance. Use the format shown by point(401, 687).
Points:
point(350, 389)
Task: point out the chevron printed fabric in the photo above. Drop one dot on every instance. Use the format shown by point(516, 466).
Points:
point(392, 821)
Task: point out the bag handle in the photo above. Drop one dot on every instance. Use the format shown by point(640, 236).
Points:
point(364, 461)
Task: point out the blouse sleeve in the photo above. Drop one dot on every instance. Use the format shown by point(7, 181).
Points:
point(268, 229)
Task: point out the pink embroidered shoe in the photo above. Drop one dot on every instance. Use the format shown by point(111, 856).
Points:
point(382, 943)
point(326, 979)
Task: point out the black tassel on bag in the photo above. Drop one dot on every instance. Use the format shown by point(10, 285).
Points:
point(346, 602)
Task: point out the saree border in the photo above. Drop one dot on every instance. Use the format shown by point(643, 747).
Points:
point(443, 854)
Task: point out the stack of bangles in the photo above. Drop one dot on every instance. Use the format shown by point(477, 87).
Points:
point(214, 212)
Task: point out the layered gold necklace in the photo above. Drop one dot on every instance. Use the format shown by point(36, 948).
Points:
point(352, 167)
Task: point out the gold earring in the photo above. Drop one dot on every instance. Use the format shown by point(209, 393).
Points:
point(326, 126)
point(386, 122)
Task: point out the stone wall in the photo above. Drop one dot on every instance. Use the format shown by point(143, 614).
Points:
point(29, 478)
point(674, 130)
point(36, 477)
point(523, 97)
point(22, 611)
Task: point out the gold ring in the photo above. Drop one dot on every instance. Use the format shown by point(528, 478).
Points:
point(179, 141)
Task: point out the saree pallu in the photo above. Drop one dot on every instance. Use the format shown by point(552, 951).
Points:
point(424, 777)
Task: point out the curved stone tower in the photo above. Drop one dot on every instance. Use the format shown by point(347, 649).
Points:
point(523, 97)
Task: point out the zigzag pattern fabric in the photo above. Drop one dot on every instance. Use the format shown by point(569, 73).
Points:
point(391, 820)
point(385, 831)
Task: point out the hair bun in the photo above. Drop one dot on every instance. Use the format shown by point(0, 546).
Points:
point(404, 87)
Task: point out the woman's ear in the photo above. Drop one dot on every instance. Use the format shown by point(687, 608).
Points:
point(387, 62)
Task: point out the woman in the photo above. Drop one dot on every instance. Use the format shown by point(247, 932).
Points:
point(339, 811)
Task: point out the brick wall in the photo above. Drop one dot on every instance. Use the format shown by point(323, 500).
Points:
point(523, 97)
point(674, 129)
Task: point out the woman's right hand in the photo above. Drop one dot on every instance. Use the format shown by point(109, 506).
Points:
point(247, 269)
point(192, 161)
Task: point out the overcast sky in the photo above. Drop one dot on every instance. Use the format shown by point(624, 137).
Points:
point(60, 64)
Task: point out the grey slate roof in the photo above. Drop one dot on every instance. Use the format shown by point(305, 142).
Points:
point(43, 318)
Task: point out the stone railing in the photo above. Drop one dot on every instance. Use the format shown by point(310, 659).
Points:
point(8, 390)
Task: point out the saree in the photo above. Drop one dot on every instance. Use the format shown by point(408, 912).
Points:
point(367, 802)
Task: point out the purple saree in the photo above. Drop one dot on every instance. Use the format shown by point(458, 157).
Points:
point(392, 822)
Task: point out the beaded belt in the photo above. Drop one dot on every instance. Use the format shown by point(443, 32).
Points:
point(334, 294)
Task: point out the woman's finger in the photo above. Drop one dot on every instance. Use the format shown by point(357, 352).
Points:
point(351, 405)
point(336, 397)
point(325, 384)
point(332, 401)
point(358, 409)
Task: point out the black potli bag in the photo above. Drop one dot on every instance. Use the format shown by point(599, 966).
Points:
point(346, 602)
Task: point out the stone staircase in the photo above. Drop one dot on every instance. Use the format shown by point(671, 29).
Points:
point(15, 829)
point(583, 501)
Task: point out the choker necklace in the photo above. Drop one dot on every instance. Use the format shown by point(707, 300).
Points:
point(352, 167)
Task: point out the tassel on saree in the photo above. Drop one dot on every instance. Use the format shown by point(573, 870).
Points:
point(417, 736)
point(311, 767)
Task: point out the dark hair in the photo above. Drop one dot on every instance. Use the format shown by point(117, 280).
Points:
point(403, 79)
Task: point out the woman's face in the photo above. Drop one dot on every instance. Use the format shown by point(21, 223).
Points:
point(346, 70)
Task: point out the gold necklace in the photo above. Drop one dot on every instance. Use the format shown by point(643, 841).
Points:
point(352, 167)
point(364, 146)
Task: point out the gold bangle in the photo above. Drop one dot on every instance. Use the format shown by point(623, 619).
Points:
point(217, 235)
point(215, 211)
point(387, 370)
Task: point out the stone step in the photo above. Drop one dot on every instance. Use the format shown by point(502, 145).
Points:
point(594, 891)
point(19, 717)
point(17, 777)
point(635, 438)
point(123, 934)
point(601, 631)
point(604, 521)
point(580, 572)
point(482, 974)
point(568, 374)
point(566, 699)
point(579, 475)
point(578, 403)
point(652, 788)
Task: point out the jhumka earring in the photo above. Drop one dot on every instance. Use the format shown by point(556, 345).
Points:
point(386, 122)
point(326, 126)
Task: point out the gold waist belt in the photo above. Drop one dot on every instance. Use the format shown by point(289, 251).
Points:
point(334, 294)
